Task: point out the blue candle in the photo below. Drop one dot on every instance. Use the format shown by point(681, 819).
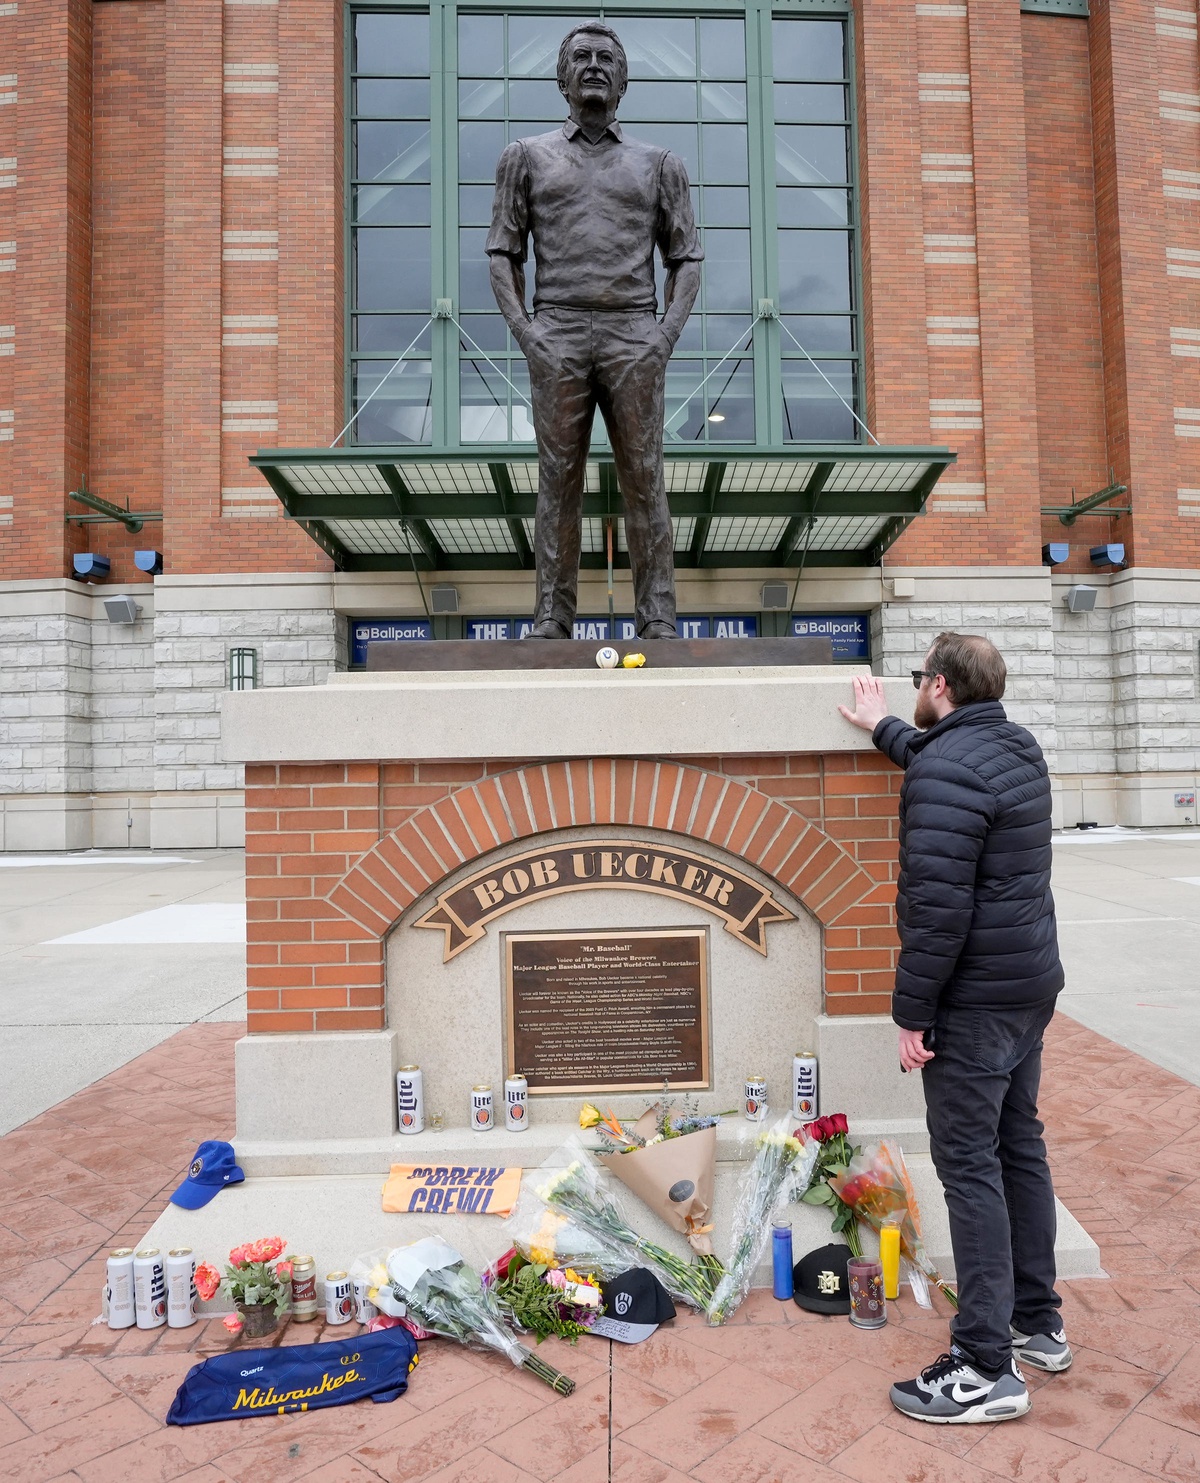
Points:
point(781, 1259)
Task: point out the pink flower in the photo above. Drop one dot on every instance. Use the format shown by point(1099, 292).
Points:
point(556, 1278)
point(284, 1271)
point(267, 1249)
point(239, 1256)
point(233, 1322)
point(208, 1279)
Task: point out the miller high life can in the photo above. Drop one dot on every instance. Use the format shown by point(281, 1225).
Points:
point(339, 1298)
point(754, 1098)
point(410, 1100)
point(181, 1288)
point(304, 1289)
point(481, 1108)
point(804, 1085)
point(121, 1313)
point(149, 1289)
point(516, 1103)
point(364, 1309)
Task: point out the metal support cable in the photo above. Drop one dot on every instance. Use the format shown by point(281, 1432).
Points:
point(828, 382)
point(386, 374)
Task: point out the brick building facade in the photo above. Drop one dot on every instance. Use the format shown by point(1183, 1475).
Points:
point(177, 273)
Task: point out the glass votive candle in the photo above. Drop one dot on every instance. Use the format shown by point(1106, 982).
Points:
point(868, 1310)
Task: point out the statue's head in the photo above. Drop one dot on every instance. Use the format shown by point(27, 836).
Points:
point(592, 67)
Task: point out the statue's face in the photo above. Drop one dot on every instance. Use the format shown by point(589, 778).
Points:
point(592, 73)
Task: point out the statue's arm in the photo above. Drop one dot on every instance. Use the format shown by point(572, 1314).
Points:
point(679, 294)
point(508, 240)
point(508, 286)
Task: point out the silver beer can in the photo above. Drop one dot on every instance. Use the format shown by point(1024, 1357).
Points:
point(364, 1309)
point(516, 1103)
point(149, 1289)
point(181, 1288)
point(754, 1098)
point(119, 1291)
point(481, 1108)
point(339, 1298)
point(410, 1100)
point(804, 1085)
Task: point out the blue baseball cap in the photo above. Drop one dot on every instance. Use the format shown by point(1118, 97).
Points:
point(213, 1166)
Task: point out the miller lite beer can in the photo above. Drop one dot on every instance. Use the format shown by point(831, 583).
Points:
point(481, 1108)
point(804, 1085)
point(410, 1100)
point(119, 1292)
point(516, 1103)
point(149, 1289)
point(181, 1288)
point(304, 1289)
point(754, 1099)
point(339, 1298)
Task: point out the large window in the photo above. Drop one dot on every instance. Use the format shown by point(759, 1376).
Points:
point(433, 103)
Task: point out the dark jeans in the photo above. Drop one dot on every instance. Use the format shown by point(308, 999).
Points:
point(617, 361)
point(981, 1093)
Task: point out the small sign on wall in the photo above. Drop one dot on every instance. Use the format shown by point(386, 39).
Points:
point(1185, 800)
point(386, 630)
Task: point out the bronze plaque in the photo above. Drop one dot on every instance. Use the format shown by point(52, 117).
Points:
point(607, 1011)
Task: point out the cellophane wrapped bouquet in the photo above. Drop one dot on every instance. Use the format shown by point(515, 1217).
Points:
point(782, 1170)
point(543, 1300)
point(877, 1187)
point(431, 1282)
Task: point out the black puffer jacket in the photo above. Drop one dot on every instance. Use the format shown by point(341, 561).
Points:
point(974, 906)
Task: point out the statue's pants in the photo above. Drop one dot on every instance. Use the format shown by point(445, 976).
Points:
point(615, 360)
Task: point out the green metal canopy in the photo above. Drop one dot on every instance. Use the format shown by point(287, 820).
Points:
point(381, 509)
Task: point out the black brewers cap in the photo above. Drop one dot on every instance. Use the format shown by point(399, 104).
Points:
point(635, 1303)
point(820, 1280)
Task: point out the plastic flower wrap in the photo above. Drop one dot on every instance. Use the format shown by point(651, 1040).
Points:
point(572, 1186)
point(876, 1186)
point(544, 1300)
point(431, 1282)
point(546, 1237)
point(783, 1166)
point(833, 1158)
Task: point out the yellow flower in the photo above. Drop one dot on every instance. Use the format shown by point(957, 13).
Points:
point(589, 1116)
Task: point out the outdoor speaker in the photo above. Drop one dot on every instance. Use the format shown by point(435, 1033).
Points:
point(89, 567)
point(444, 599)
point(773, 597)
point(1081, 599)
point(122, 609)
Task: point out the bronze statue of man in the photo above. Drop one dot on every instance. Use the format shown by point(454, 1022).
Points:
point(597, 204)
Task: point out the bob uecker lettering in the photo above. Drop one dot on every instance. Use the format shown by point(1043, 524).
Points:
point(463, 912)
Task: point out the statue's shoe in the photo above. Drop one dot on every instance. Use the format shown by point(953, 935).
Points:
point(548, 629)
point(659, 630)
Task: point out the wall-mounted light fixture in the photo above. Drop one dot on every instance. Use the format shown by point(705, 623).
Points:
point(243, 669)
point(1054, 553)
point(122, 609)
point(148, 561)
point(1112, 554)
point(89, 567)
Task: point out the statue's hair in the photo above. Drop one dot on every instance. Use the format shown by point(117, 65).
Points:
point(600, 29)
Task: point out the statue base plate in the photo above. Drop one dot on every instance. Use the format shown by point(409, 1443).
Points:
point(468, 654)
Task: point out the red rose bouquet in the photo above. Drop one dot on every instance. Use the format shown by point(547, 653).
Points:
point(833, 1160)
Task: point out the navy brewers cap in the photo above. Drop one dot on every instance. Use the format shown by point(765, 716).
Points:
point(820, 1281)
point(213, 1166)
point(635, 1303)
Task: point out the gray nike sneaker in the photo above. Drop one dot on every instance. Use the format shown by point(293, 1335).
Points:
point(1043, 1351)
point(952, 1390)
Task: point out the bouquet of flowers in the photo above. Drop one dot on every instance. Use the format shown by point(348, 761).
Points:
point(544, 1300)
point(669, 1161)
point(783, 1164)
point(573, 1188)
point(430, 1281)
point(834, 1153)
point(250, 1280)
point(546, 1237)
point(876, 1186)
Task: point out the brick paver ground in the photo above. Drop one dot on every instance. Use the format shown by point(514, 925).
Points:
point(779, 1396)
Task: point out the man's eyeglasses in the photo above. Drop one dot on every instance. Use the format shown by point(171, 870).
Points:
point(922, 674)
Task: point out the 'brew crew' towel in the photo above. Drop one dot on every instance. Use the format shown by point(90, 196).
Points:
point(304, 1377)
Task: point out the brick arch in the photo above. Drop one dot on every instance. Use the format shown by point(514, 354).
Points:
point(708, 807)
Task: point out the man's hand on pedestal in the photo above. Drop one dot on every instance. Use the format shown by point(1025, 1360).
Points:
point(870, 706)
